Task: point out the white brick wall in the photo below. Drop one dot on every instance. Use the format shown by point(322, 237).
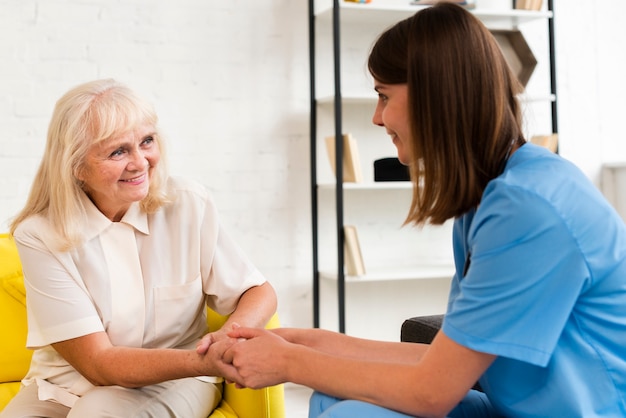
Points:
point(230, 81)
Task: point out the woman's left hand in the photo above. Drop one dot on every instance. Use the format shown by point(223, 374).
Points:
point(202, 347)
point(256, 360)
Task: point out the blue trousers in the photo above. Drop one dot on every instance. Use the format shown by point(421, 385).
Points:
point(474, 405)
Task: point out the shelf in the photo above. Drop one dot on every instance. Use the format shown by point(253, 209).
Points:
point(359, 13)
point(380, 185)
point(370, 99)
point(423, 272)
point(353, 99)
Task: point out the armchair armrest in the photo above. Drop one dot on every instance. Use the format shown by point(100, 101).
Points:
point(421, 329)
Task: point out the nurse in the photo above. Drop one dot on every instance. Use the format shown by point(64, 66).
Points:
point(537, 307)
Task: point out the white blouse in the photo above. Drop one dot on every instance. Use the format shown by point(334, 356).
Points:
point(145, 281)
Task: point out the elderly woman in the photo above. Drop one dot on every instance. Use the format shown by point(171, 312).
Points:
point(120, 262)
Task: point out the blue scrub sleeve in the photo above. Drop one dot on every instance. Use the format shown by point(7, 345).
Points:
point(524, 277)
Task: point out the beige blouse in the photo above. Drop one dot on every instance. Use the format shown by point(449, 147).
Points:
point(145, 281)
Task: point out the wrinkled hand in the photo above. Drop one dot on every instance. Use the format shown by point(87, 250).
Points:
point(202, 347)
point(256, 361)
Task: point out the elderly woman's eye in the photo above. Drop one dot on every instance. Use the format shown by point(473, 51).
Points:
point(116, 153)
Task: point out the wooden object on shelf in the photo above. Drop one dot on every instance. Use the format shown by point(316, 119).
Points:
point(351, 162)
point(528, 4)
point(517, 53)
point(354, 259)
point(549, 141)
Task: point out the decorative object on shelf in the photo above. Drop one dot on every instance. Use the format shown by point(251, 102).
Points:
point(549, 141)
point(351, 162)
point(517, 53)
point(390, 169)
point(354, 259)
point(528, 4)
point(358, 1)
point(466, 4)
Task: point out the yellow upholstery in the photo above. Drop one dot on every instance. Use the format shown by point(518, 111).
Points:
point(15, 358)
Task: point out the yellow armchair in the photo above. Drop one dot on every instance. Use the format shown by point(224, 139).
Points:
point(15, 358)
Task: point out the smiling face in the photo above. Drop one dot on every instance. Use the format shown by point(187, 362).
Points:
point(116, 172)
point(392, 113)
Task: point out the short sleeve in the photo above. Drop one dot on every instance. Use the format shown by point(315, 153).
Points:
point(524, 277)
point(57, 304)
point(227, 271)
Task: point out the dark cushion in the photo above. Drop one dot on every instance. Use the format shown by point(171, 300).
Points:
point(421, 329)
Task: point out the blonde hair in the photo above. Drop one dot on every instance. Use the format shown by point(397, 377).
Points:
point(87, 114)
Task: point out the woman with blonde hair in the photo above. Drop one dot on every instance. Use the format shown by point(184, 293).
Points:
point(120, 261)
point(537, 306)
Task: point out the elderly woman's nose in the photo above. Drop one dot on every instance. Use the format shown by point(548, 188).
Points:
point(138, 160)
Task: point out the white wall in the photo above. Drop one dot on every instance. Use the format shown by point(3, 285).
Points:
point(591, 63)
point(230, 81)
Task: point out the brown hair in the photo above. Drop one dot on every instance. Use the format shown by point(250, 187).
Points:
point(462, 106)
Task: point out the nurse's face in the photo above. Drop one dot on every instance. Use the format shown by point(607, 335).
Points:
point(116, 172)
point(392, 113)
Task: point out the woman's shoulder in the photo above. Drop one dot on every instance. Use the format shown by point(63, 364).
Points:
point(538, 184)
point(186, 192)
point(536, 169)
point(178, 186)
point(533, 159)
point(35, 231)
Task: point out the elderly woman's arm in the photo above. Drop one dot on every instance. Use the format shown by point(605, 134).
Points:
point(103, 364)
point(255, 307)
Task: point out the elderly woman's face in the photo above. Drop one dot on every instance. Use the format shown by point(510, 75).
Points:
point(117, 172)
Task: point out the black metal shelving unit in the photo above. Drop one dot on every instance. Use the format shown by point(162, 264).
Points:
point(339, 205)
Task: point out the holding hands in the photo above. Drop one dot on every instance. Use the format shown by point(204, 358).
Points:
point(250, 357)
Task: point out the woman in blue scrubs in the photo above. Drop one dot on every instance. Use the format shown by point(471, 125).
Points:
point(537, 307)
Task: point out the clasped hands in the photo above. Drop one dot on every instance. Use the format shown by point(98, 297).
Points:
point(248, 357)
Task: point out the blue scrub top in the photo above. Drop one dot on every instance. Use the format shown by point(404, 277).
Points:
point(541, 283)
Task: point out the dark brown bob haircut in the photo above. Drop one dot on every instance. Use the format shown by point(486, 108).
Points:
point(463, 106)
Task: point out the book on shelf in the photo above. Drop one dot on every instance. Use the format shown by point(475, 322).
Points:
point(352, 252)
point(549, 141)
point(351, 163)
point(528, 4)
